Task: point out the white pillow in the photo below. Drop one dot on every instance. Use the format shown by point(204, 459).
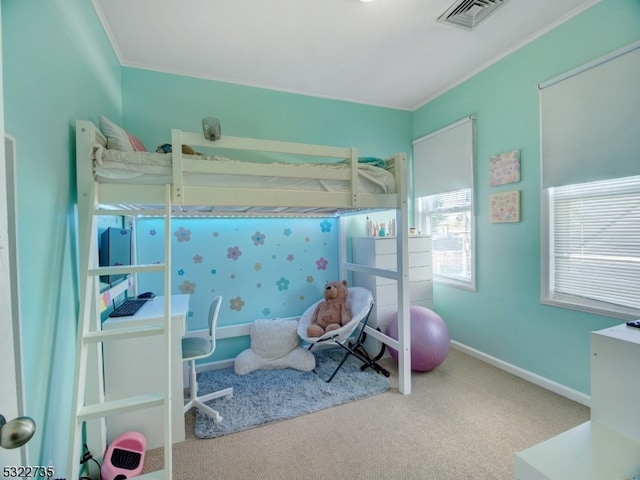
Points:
point(117, 137)
point(274, 344)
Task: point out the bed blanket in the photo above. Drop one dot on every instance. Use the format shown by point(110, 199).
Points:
point(132, 167)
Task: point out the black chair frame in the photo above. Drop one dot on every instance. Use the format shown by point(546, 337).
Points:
point(357, 349)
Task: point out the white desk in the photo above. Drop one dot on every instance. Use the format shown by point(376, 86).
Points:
point(136, 366)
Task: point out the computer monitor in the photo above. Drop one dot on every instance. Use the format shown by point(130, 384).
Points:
point(115, 250)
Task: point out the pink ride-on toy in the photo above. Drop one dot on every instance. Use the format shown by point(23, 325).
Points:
point(124, 457)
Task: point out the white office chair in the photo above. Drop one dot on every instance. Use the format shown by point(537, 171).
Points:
point(194, 348)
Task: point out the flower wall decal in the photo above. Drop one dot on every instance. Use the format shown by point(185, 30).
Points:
point(187, 287)
point(236, 304)
point(283, 284)
point(183, 235)
point(233, 253)
point(321, 263)
point(261, 267)
point(258, 238)
point(325, 226)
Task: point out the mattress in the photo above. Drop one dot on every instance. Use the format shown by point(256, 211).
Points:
point(146, 168)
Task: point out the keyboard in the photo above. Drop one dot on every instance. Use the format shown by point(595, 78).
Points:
point(128, 308)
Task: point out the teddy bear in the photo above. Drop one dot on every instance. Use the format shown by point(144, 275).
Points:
point(333, 312)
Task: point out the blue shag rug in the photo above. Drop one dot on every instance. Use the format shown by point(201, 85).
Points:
point(266, 396)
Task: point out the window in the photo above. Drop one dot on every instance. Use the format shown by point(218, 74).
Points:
point(448, 219)
point(594, 246)
point(443, 187)
point(591, 186)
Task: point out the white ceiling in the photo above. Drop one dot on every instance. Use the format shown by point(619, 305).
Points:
point(391, 53)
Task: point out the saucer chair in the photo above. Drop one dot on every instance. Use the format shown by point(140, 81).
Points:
point(360, 301)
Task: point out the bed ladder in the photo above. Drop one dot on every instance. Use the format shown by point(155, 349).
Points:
point(90, 408)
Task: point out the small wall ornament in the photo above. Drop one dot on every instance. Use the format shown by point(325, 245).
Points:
point(505, 206)
point(504, 168)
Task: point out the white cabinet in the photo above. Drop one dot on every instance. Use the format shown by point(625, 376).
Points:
point(615, 380)
point(380, 252)
point(608, 446)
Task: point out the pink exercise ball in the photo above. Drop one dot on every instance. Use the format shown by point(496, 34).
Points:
point(430, 338)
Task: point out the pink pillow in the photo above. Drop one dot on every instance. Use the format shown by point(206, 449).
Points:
point(136, 143)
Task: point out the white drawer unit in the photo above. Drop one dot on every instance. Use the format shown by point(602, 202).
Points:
point(607, 446)
point(615, 380)
point(380, 252)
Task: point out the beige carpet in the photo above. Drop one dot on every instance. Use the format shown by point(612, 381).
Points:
point(464, 420)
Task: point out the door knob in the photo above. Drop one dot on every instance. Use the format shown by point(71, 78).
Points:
point(17, 432)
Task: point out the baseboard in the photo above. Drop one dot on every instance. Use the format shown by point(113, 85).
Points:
point(220, 364)
point(223, 332)
point(543, 382)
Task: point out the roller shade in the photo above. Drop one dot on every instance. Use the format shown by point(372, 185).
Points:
point(443, 160)
point(589, 121)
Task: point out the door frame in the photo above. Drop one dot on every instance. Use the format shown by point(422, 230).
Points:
point(12, 385)
point(11, 381)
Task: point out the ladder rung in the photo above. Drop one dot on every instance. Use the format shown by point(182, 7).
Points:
point(154, 267)
point(115, 407)
point(123, 333)
point(91, 315)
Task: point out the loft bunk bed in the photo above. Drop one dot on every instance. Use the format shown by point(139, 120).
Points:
point(340, 181)
point(325, 181)
point(130, 183)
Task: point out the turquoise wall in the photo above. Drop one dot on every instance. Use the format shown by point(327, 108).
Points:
point(505, 318)
point(154, 102)
point(58, 66)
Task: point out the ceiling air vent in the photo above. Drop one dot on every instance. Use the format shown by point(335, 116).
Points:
point(469, 13)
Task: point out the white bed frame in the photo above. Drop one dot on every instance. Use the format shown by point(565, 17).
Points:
point(129, 199)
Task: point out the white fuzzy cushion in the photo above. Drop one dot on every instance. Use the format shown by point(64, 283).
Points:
point(273, 338)
point(274, 344)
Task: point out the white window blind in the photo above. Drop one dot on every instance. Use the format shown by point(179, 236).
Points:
point(596, 242)
point(590, 141)
point(443, 188)
point(589, 121)
point(448, 219)
point(443, 160)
